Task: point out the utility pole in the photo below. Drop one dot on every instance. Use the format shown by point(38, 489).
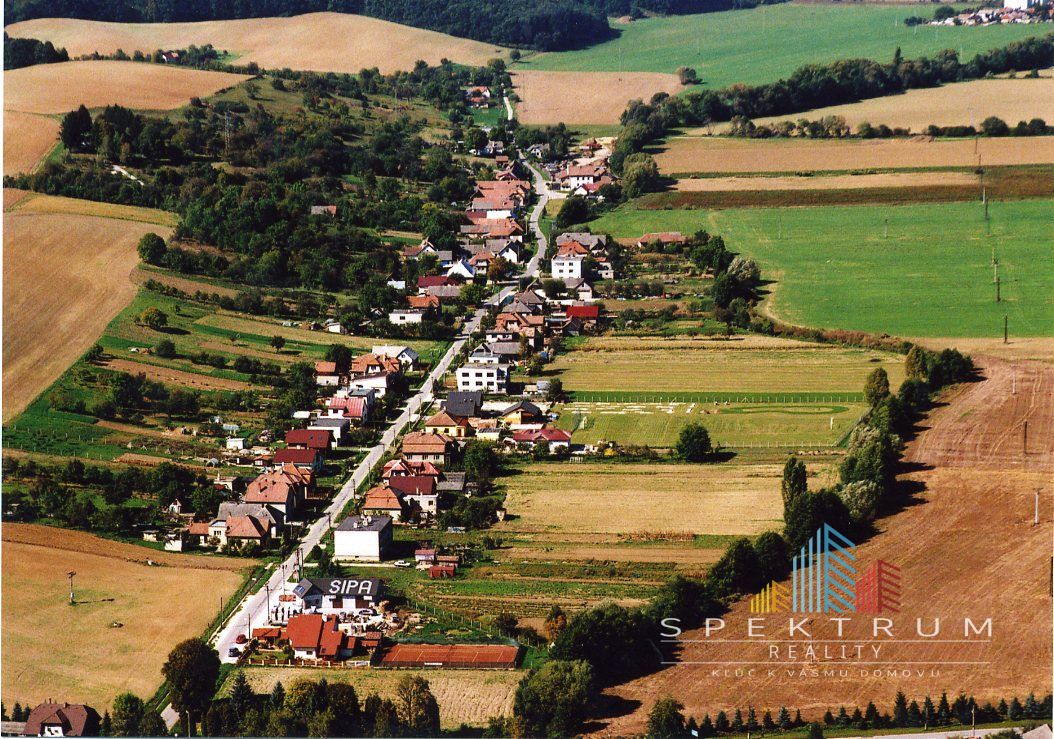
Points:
point(73, 600)
point(998, 298)
point(885, 230)
point(1024, 439)
point(1006, 326)
point(1035, 518)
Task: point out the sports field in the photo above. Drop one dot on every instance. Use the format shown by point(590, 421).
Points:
point(769, 42)
point(128, 614)
point(908, 270)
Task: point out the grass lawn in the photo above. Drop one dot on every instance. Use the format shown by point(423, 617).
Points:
point(769, 42)
point(931, 276)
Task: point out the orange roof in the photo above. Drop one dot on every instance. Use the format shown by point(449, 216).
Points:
point(420, 442)
point(422, 302)
point(445, 420)
point(325, 368)
point(247, 527)
point(397, 467)
point(382, 498)
point(365, 363)
point(198, 528)
point(304, 631)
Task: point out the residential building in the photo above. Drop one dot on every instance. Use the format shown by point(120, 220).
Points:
point(314, 636)
point(362, 538)
point(464, 404)
point(383, 501)
point(306, 459)
point(554, 439)
point(491, 378)
point(375, 364)
point(418, 492)
point(445, 423)
point(337, 428)
point(407, 357)
point(326, 374)
point(663, 237)
point(403, 317)
point(419, 446)
point(283, 489)
point(317, 439)
point(378, 384)
point(568, 267)
point(521, 413)
point(62, 719)
point(355, 408)
point(338, 595)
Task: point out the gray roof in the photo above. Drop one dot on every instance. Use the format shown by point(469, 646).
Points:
point(451, 482)
point(464, 403)
point(330, 423)
point(524, 405)
point(505, 348)
point(256, 510)
point(359, 523)
point(444, 291)
point(583, 238)
point(369, 588)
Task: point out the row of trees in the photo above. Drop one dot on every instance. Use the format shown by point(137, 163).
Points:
point(835, 127)
point(25, 52)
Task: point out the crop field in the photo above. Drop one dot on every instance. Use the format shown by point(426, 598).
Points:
point(909, 270)
point(975, 482)
point(464, 696)
point(768, 43)
point(59, 88)
point(960, 104)
point(52, 649)
point(584, 97)
point(28, 139)
point(753, 184)
point(683, 155)
point(323, 42)
point(44, 337)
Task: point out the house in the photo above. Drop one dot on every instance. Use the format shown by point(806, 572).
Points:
point(326, 374)
point(580, 290)
point(337, 595)
point(403, 468)
point(307, 459)
point(444, 292)
point(478, 96)
point(62, 719)
point(425, 556)
point(404, 317)
point(337, 428)
point(375, 364)
point(381, 500)
point(491, 378)
point(314, 636)
point(419, 446)
point(323, 210)
point(576, 175)
point(664, 237)
point(427, 281)
point(235, 443)
point(407, 357)
point(335, 327)
point(482, 354)
point(419, 492)
point(283, 489)
point(362, 538)
point(462, 268)
point(588, 315)
point(230, 509)
point(554, 439)
point(424, 303)
point(244, 529)
point(522, 412)
point(445, 423)
point(505, 351)
point(568, 267)
point(317, 439)
point(425, 247)
point(375, 384)
point(355, 408)
point(572, 247)
point(593, 242)
point(464, 404)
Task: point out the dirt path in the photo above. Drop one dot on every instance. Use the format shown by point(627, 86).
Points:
point(967, 547)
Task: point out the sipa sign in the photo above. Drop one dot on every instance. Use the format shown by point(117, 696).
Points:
point(350, 587)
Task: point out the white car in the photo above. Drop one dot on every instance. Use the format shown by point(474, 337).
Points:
point(402, 563)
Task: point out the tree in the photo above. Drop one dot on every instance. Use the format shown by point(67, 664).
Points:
point(861, 499)
point(152, 248)
point(252, 89)
point(900, 709)
point(809, 512)
point(738, 570)
point(75, 127)
point(106, 726)
point(773, 558)
point(795, 480)
point(153, 725)
point(341, 355)
point(915, 363)
point(128, 713)
point(693, 443)
point(506, 624)
point(153, 318)
point(277, 342)
point(993, 126)
point(553, 700)
point(640, 174)
point(665, 718)
point(555, 621)
point(816, 730)
point(574, 210)
point(191, 669)
point(877, 386)
point(242, 696)
point(165, 349)
point(417, 708)
point(687, 76)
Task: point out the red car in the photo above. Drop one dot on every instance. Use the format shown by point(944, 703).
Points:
point(240, 639)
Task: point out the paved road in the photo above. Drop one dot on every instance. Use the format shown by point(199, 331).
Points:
point(253, 611)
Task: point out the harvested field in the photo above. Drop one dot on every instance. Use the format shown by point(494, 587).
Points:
point(959, 104)
point(59, 88)
point(584, 97)
point(43, 338)
point(702, 154)
point(177, 377)
point(51, 649)
point(232, 322)
point(615, 498)
point(323, 42)
point(464, 696)
point(1015, 350)
point(970, 523)
point(28, 139)
point(39, 203)
point(832, 182)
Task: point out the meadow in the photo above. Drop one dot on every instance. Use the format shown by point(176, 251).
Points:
point(769, 42)
point(908, 270)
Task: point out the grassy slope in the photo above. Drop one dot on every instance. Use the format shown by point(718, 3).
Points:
point(931, 277)
point(767, 43)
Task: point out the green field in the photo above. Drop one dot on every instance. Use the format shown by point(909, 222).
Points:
point(931, 276)
point(768, 43)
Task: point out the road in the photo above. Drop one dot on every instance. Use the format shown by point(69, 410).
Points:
point(253, 610)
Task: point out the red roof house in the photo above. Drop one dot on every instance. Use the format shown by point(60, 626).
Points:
point(317, 439)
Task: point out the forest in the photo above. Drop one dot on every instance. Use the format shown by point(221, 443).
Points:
point(25, 52)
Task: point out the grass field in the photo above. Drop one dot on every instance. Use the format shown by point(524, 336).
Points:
point(932, 275)
point(464, 696)
point(27, 140)
point(324, 42)
point(583, 97)
point(769, 42)
point(87, 280)
point(73, 653)
point(59, 88)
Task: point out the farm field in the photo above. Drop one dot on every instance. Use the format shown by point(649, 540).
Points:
point(52, 649)
point(959, 104)
point(769, 42)
point(932, 275)
point(971, 474)
point(59, 88)
point(583, 97)
point(44, 337)
point(28, 139)
point(464, 696)
point(751, 184)
point(323, 42)
point(683, 155)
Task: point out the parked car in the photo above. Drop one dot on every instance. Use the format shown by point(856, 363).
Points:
point(402, 563)
point(240, 639)
point(234, 652)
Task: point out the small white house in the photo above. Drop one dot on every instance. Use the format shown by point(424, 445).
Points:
point(406, 356)
point(236, 443)
point(405, 317)
point(568, 267)
point(362, 538)
point(461, 268)
point(491, 378)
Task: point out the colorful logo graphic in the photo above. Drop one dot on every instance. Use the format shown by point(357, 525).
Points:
point(824, 579)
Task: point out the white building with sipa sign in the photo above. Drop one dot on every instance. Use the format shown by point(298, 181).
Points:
point(337, 595)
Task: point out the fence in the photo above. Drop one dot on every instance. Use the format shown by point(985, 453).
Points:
point(462, 620)
point(629, 396)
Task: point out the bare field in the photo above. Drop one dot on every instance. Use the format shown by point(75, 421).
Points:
point(42, 337)
point(40, 204)
point(612, 499)
point(1015, 350)
point(52, 649)
point(584, 97)
point(59, 88)
point(685, 154)
point(185, 284)
point(464, 696)
point(958, 104)
point(968, 528)
point(831, 182)
point(28, 139)
point(323, 42)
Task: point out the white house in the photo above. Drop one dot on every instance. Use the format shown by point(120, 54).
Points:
point(491, 378)
point(568, 267)
point(337, 595)
point(461, 268)
point(335, 327)
point(406, 356)
point(377, 383)
point(362, 538)
point(236, 443)
point(404, 317)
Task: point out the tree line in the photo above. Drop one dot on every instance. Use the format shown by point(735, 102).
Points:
point(25, 52)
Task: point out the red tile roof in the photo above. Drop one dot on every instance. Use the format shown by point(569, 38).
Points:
point(311, 438)
point(413, 484)
point(354, 407)
point(434, 281)
point(296, 456)
point(586, 312)
point(536, 435)
point(325, 368)
point(382, 498)
point(247, 527)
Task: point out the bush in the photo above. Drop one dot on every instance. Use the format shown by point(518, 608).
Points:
point(693, 443)
point(165, 349)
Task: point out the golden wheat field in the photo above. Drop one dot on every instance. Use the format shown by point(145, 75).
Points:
point(45, 328)
point(831, 182)
point(59, 88)
point(27, 140)
point(584, 97)
point(324, 42)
